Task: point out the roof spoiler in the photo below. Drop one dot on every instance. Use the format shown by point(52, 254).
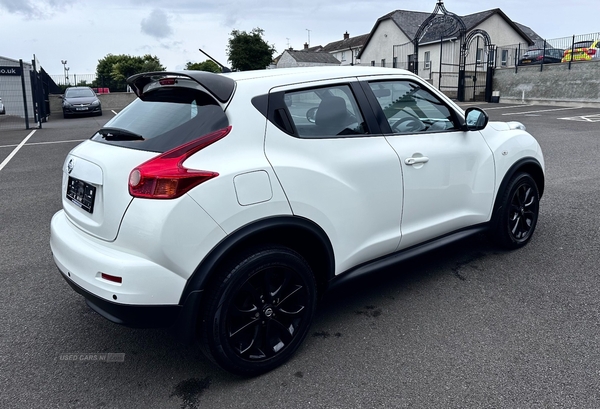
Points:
point(219, 86)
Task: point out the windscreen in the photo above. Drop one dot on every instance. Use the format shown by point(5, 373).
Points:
point(167, 117)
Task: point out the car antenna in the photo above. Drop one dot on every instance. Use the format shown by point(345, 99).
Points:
point(223, 68)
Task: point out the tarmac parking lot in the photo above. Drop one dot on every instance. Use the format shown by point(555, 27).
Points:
point(468, 326)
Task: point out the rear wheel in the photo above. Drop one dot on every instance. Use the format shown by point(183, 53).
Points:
point(516, 218)
point(258, 311)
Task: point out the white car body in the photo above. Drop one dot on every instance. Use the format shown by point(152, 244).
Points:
point(365, 197)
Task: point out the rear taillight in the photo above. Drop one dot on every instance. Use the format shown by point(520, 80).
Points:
point(164, 176)
point(591, 52)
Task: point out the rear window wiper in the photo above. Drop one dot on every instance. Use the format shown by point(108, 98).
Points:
point(118, 134)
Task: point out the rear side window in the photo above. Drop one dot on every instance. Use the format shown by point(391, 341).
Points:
point(166, 118)
point(325, 112)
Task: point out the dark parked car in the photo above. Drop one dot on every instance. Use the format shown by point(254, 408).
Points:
point(81, 100)
point(536, 55)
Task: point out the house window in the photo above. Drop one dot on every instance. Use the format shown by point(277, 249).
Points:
point(373, 63)
point(504, 61)
point(479, 55)
point(427, 60)
point(343, 56)
point(383, 62)
point(395, 62)
point(356, 52)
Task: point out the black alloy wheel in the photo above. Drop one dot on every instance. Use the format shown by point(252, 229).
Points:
point(259, 312)
point(517, 217)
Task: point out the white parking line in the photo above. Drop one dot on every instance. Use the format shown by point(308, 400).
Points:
point(508, 107)
point(113, 111)
point(44, 143)
point(14, 152)
point(584, 118)
point(541, 110)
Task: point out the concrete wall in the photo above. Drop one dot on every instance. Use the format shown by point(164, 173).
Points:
point(555, 84)
point(115, 100)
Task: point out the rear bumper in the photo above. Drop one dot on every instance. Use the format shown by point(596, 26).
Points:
point(84, 259)
point(137, 316)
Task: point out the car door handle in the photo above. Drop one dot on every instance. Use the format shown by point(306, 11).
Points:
point(414, 161)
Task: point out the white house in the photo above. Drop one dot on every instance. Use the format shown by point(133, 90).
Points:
point(347, 49)
point(389, 43)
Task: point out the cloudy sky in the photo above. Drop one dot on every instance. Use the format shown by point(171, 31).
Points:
point(82, 32)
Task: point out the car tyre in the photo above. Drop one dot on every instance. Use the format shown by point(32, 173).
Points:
point(516, 217)
point(258, 311)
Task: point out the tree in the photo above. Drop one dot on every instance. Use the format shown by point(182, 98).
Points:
point(207, 65)
point(249, 51)
point(113, 70)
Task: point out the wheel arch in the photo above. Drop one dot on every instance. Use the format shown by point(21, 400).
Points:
point(297, 233)
point(527, 165)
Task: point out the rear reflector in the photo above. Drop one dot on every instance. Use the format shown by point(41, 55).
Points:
point(164, 176)
point(114, 279)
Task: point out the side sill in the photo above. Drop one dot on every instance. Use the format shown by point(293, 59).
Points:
point(405, 254)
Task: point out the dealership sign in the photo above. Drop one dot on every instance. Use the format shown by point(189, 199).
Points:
point(10, 70)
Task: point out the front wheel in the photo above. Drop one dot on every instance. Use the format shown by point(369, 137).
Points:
point(258, 311)
point(516, 218)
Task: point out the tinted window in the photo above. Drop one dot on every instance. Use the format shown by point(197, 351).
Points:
point(325, 112)
point(410, 108)
point(165, 119)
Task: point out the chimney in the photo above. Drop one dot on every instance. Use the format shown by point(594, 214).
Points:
point(346, 35)
point(306, 46)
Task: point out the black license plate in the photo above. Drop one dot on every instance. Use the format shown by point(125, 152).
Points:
point(81, 194)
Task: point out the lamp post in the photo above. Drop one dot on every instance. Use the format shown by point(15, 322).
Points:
point(67, 75)
point(65, 69)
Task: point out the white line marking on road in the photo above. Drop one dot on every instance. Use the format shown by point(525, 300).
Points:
point(507, 107)
point(14, 152)
point(584, 118)
point(541, 110)
point(44, 143)
point(113, 111)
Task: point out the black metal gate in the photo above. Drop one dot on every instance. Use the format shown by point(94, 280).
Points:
point(478, 54)
point(40, 89)
point(466, 62)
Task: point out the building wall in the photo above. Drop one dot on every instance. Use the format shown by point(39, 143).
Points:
point(11, 90)
point(500, 31)
point(346, 56)
point(382, 44)
point(286, 61)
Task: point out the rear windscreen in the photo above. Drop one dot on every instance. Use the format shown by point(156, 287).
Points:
point(164, 119)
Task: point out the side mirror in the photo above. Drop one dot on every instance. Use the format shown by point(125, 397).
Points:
point(475, 119)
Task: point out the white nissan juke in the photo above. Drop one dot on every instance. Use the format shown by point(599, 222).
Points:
point(224, 205)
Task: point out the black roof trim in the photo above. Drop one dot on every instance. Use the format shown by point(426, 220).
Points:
point(220, 86)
